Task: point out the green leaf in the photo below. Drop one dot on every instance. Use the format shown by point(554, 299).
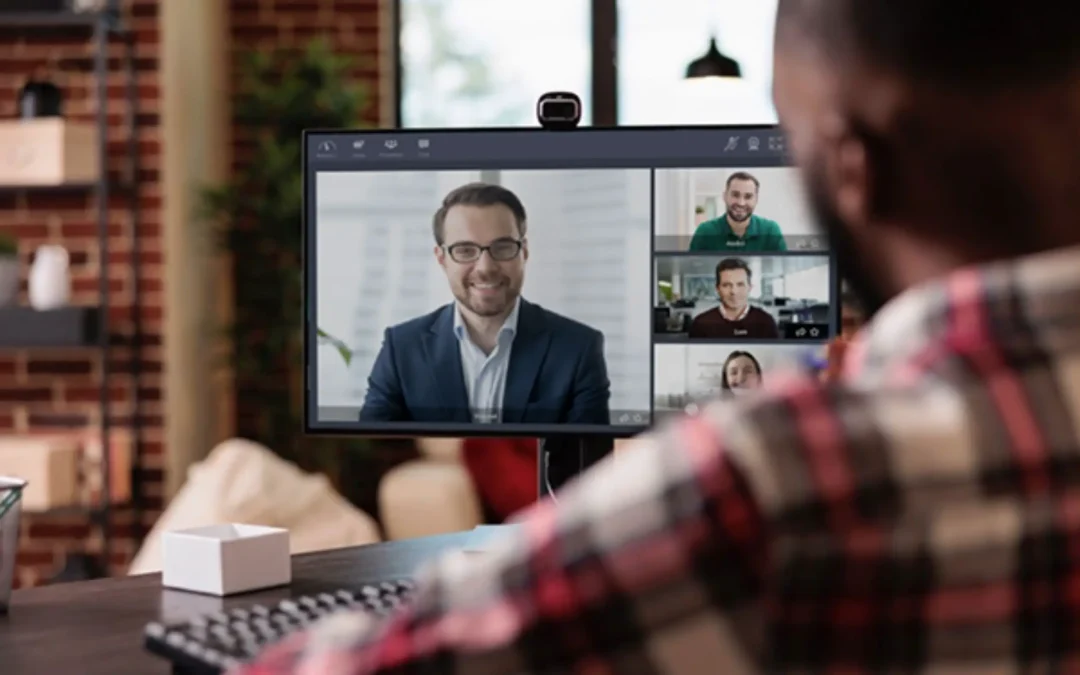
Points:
point(343, 349)
point(9, 245)
point(256, 217)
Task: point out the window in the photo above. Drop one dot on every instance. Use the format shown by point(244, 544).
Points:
point(657, 42)
point(467, 63)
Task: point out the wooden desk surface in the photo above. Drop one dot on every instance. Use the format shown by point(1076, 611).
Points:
point(95, 627)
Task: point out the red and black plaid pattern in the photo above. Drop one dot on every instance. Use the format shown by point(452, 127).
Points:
point(921, 516)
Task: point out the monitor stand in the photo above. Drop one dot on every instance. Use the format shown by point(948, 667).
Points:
point(562, 458)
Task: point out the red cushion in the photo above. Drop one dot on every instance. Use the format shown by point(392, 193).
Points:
point(504, 472)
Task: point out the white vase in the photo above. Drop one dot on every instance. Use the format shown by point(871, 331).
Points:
point(9, 280)
point(49, 281)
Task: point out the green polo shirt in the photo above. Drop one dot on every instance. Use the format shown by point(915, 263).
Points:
point(761, 235)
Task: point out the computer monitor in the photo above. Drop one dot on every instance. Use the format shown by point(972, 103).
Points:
point(529, 282)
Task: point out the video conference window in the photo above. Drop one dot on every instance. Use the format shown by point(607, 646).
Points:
point(689, 375)
point(753, 210)
point(483, 297)
point(727, 297)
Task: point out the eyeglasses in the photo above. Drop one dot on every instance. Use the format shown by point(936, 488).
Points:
point(500, 250)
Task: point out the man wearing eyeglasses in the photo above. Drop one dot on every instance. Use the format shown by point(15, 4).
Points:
point(490, 356)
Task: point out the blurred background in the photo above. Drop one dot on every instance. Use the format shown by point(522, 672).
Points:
point(161, 389)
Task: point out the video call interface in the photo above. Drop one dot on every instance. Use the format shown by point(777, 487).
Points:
point(497, 291)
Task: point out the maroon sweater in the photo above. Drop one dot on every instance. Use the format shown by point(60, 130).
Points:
point(757, 324)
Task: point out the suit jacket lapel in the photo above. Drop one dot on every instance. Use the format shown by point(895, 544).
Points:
point(443, 355)
point(526, 359)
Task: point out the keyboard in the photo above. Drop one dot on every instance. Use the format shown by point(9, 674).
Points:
point(214, 643)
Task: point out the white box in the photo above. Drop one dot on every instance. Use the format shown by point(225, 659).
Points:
point(226, 559)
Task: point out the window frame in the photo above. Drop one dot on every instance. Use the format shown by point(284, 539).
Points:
point(603, 75)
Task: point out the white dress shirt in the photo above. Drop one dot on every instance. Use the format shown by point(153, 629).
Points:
point(485, 374)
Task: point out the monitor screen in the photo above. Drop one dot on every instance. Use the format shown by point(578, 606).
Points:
point(540, 283)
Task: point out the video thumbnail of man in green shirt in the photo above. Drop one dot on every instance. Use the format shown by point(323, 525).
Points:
point(739, 229)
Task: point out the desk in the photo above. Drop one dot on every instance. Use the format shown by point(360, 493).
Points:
point(95, 627)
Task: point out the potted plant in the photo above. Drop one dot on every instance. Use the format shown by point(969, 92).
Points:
point(9, 269)
point(257, 219)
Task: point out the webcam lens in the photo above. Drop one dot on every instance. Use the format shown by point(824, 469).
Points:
point(565, 110)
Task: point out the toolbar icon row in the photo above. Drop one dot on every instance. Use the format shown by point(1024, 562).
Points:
point(329, 147)
point(753, 144)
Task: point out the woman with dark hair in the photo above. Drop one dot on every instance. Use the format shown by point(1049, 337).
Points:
point(741, 374)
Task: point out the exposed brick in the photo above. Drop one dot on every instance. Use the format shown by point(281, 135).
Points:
point(38, 528)
point(55, 421)
point(60, 392)
point(77, 228)
point(148, 312)
point(34, 557)
point(85, 394)
point(81, 366)
point(90, 285)
point(52, 201)
point(12, 394)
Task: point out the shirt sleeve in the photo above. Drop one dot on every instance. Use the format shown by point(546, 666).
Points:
point(697, 242)
point(777, 236)
point(705, 236)
point(652, 550)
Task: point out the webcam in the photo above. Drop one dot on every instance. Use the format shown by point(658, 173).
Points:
point(558, 110)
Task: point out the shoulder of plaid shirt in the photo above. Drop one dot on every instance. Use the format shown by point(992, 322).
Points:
point(845, 525)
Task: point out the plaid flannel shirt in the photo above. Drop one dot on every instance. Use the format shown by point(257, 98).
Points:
point(922, 515)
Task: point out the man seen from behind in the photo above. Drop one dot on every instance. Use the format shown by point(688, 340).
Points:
point(921, 515)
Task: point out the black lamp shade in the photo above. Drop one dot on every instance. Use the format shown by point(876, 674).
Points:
point(713, 64)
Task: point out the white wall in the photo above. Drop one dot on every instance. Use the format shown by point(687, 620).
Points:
point(781, 198)
point(588, 235)
point(373, 248)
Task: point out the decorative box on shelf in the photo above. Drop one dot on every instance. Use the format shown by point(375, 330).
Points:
point(48, 151)
point(49, 464)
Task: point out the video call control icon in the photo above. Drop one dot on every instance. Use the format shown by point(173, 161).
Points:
point(754, 143)
point(327, 146)
point(357, 145)
point(423, 143)
point(732, 143)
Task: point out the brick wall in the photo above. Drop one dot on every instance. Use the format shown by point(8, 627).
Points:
point(56, 390)
point(352, 25)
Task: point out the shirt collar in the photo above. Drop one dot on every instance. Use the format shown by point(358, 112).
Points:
point(1025, 301)
point(751, 227)
point(742, 314)
point(509, 326)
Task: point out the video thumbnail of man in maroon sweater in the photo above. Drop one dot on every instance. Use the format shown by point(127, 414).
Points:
point(735, 317)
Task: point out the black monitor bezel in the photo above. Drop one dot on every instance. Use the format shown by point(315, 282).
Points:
point(478, 430)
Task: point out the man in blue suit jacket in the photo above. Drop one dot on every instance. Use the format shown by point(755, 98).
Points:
point(490, 356)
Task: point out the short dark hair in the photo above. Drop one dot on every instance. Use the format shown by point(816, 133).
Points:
point(478, 194)
point(729, 264)
point(742, 175)
point(990, 45)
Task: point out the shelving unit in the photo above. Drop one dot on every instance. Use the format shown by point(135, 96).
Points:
point(89, 327)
